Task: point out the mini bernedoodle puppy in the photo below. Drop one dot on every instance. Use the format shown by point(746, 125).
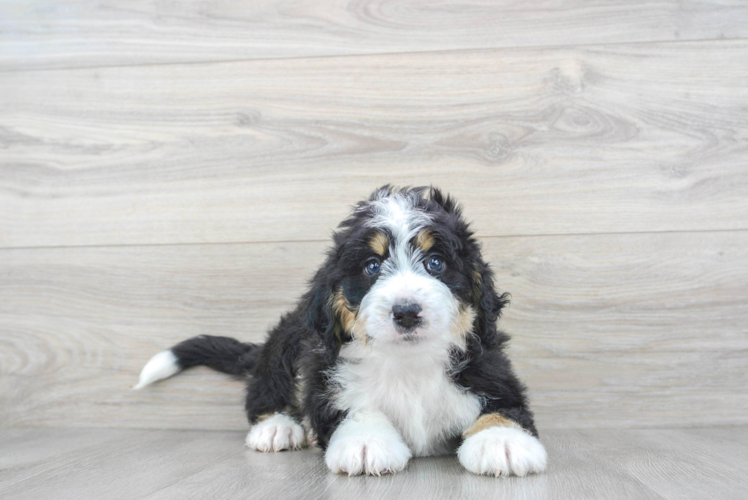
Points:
point(393, 352)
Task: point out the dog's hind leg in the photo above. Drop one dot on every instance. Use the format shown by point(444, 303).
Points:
point(272, 404)
point(273, 414)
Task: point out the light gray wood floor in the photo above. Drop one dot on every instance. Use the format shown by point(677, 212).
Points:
point(79, 463)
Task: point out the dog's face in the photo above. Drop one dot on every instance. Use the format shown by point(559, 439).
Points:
point(405, 279)
point(404, 270)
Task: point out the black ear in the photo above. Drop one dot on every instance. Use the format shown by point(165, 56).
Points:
point(318, 300)
point(489, 305)
point(319, 314)
point(446, 202)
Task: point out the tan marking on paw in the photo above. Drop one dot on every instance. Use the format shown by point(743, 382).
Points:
point(490, 420)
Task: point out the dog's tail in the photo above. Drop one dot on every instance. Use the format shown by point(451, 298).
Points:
point(222, 354)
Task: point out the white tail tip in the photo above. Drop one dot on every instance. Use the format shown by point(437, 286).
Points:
point(161, 366)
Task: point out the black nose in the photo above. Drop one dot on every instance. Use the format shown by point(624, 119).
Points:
point(405, 314)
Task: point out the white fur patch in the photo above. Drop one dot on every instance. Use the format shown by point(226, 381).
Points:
point(366, 443)
point(410, 386)
point(439, 309)
point(501, 451)
point(398, 213)
point(277, 433)
point(161, 366)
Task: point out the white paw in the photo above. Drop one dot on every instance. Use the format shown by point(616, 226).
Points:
point(359, 449)
point(277, 433)
point(501, 451)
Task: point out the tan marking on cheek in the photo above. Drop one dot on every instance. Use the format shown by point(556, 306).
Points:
point(379, 243)
point(344, 310)
point(264, 417)
point(490, 420)
point(425, 240)
point(463, 323)
point(359, 330)
point(477, 284)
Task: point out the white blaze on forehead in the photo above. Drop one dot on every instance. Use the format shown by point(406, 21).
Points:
point(399, 215)
point(398, 212)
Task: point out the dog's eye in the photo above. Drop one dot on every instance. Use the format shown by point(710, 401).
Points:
point(435, 264)
point(372, 267)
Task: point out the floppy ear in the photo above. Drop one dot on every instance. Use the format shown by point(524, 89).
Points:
point(321, 315)
point(488, 304)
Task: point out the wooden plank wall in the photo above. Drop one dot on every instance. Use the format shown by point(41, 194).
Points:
point(175, 169)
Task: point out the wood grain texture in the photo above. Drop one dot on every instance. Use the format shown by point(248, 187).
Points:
point(592, 464)
point(107, 468)
point(43, 34)
point(647, 137)
point(29, 453)
point(622, 330)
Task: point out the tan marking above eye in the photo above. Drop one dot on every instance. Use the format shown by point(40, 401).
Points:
point(379, 243)
point(490, 420)
point(425, 240)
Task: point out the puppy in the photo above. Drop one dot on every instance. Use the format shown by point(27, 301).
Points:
point(393, 352)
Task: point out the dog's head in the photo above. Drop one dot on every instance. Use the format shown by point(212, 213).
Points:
point(404, 269)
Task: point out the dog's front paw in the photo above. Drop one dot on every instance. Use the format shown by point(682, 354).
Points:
point(367, 450)
point(277, 433)
point(501, 451)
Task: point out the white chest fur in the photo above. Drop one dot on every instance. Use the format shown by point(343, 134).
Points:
point(410, 386)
